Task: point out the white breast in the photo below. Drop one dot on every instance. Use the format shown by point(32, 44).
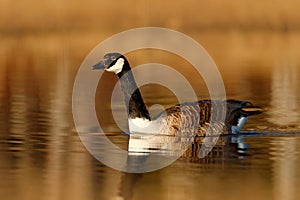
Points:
point(141, 125)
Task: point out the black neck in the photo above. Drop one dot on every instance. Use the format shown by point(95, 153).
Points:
point(133, 98)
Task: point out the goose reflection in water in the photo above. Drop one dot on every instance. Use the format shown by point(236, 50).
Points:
point(229, 146)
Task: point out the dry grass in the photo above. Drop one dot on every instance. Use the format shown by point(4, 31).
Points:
point(47, 15)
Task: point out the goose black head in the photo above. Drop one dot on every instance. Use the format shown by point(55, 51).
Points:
point(112, 62)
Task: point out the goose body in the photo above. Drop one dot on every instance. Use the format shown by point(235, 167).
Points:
point(178, 118)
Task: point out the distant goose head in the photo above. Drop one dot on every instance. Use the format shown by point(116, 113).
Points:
point(113, 62)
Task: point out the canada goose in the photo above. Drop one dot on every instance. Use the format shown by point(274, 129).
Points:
point(168, 122)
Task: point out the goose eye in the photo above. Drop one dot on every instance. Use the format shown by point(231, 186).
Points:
point(113, 57)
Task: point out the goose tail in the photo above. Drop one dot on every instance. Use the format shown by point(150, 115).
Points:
point(251, 110)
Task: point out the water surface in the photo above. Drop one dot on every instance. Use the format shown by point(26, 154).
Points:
point(42, 157)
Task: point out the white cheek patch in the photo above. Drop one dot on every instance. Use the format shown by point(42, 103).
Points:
point(117, 67)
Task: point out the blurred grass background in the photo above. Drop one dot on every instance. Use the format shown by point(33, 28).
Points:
point(51, 15)
point(242, 29)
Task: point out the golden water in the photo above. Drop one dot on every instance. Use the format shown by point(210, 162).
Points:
point(41, 156)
